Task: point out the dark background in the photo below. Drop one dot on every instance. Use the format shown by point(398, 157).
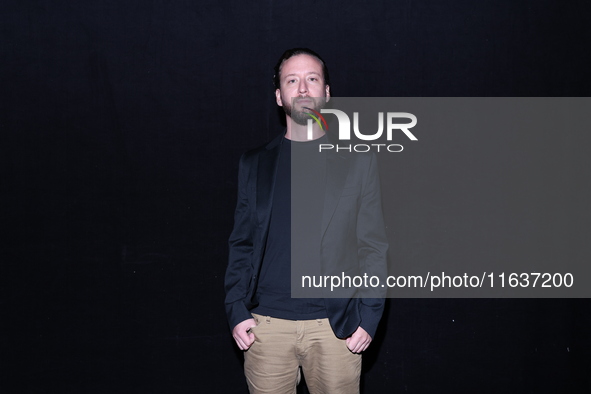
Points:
point(121, 127)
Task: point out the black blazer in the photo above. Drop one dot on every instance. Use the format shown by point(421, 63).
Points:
point(353, 235)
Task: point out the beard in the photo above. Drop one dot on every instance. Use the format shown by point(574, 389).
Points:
point(300, 115)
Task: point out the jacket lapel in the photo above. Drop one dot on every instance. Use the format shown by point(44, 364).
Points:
point(337, 168)
point(266, 172)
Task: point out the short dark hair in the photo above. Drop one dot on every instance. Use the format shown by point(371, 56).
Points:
point(294, 52)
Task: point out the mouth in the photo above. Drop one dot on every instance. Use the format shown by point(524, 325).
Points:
point(303, 104)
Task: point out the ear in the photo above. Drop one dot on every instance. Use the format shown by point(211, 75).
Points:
point(327, 91)
point(278, 97)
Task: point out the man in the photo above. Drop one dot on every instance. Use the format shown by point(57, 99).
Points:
point(331, 203)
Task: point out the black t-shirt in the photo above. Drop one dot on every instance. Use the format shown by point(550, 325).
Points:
point(298, 200)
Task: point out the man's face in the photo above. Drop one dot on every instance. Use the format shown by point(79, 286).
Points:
point(301, 79)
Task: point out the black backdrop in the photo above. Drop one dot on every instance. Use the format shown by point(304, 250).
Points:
point(122, 124)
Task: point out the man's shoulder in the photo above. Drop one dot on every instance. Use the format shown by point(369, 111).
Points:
point(275, 142)
point(356, 158)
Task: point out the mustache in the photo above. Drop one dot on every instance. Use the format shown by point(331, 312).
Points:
point(310, 102)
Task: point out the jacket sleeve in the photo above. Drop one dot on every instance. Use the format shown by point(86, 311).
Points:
point(240, 268)
point(372, 246)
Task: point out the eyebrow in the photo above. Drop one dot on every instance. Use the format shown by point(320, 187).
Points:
point(308, 73)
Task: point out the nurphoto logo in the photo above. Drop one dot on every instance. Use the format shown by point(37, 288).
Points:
point(344, 133)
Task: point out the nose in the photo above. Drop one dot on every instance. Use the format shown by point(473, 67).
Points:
point(303, 88)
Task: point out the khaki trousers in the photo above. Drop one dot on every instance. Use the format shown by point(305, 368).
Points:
point(281, 347)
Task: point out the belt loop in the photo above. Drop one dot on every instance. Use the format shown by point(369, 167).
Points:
point(268, 319)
